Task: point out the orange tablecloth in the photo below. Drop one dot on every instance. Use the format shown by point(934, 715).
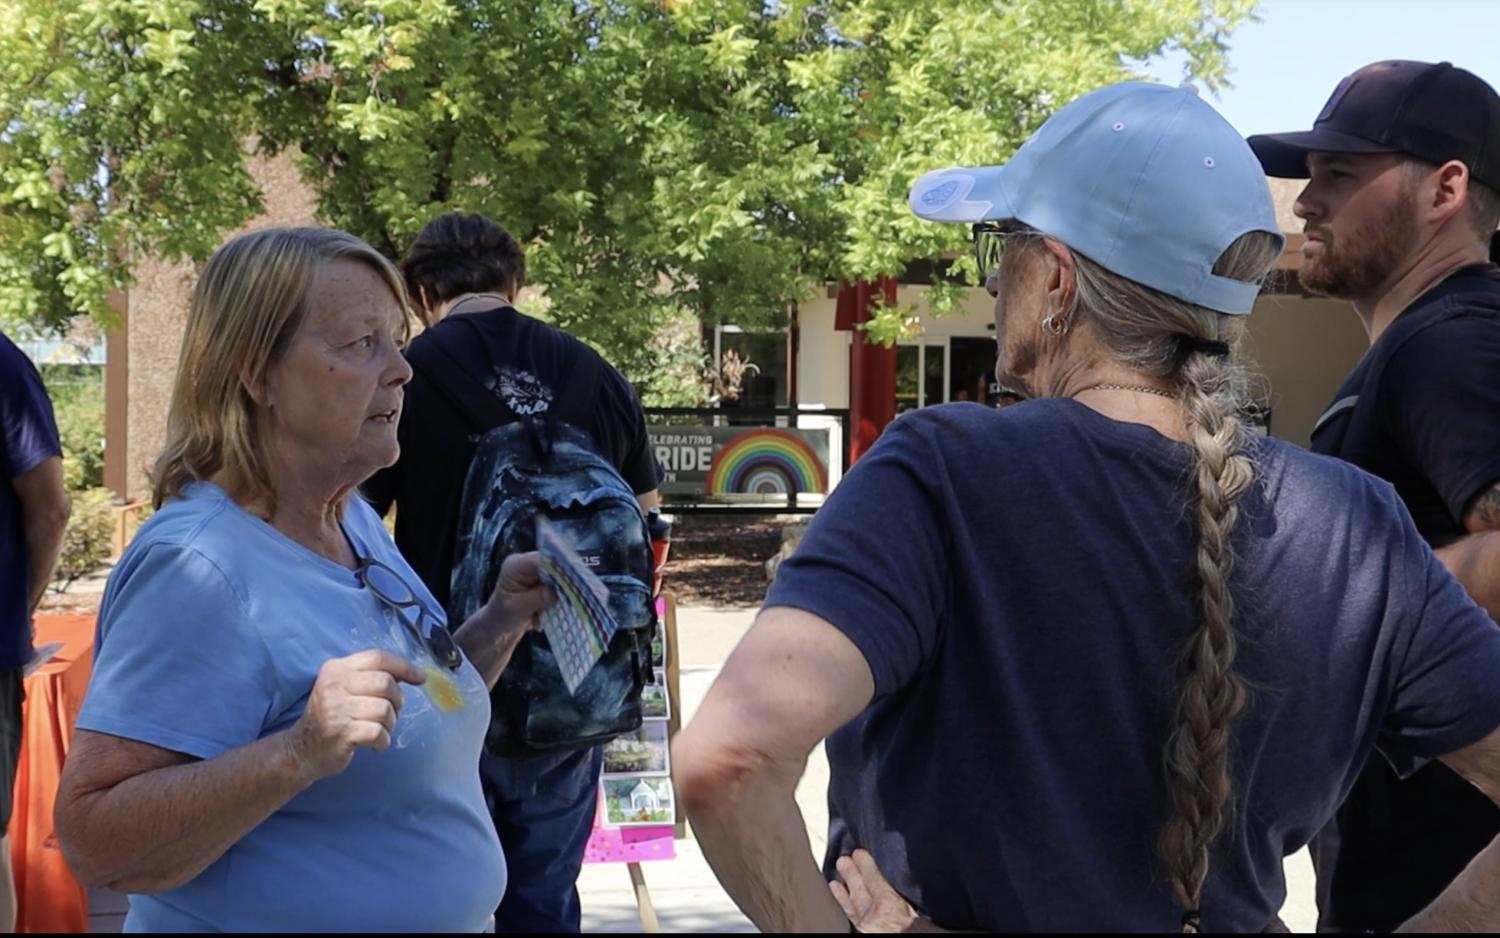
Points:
point(48, 897)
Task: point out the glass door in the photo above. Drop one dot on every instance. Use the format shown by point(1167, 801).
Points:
point(921, 375)
point(973, 370)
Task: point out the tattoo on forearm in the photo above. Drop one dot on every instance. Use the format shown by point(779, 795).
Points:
point(1485, 512)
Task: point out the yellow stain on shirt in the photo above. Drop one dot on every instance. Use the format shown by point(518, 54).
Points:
point(442, 690)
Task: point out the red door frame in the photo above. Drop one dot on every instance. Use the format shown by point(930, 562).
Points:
point(872, 366)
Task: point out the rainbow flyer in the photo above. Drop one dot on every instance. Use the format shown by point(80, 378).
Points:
point(578, 625)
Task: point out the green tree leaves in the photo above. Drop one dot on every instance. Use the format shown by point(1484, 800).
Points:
point(720, 157)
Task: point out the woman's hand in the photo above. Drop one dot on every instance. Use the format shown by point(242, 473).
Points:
point(518, 595)
point(354, 702)
point(491, 634)
point(870, 902)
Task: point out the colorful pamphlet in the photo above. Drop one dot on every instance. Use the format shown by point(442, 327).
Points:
point(579, 625)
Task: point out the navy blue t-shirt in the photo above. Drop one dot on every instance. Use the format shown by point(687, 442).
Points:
point(1422, 411)
point(1020, 583)
point(28, 437)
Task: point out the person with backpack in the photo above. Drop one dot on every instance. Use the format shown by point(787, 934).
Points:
point(508, 419)
point(1109, 655)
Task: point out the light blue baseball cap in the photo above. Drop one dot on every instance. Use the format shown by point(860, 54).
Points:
point(1146, 180)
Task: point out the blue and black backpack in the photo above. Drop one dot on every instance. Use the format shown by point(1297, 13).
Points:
point(547, 465)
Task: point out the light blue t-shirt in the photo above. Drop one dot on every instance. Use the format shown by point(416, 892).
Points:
point(212, 631)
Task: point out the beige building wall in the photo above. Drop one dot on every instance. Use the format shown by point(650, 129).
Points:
point(822, 355)
point(1305, 347)
point(156, 312)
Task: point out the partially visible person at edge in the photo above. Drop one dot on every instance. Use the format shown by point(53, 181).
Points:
point(1125, 654)
point(1402, 200)
point(466, 272)
point(280, 735)
point(33, 517)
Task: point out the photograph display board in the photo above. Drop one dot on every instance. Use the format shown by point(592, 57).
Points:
point(637, 817)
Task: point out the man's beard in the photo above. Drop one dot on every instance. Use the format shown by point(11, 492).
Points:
point(1355, 265)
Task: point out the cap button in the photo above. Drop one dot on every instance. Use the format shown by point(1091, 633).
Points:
point(1189, 87)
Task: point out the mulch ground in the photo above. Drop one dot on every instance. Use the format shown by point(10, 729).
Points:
point(721, 561)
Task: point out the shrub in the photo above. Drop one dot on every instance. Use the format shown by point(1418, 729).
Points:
point(77, 393)
point(89, 538)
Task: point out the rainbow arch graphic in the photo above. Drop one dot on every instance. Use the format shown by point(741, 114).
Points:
point(766, 462)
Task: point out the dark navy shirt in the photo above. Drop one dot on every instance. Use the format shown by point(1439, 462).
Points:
point(1422, 408)
point(1021, 584)
point(28, 437)
point(1422, 411)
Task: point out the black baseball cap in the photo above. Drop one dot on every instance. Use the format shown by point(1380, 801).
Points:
point(1436, 113)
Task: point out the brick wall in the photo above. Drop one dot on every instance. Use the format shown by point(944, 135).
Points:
point(157, 306)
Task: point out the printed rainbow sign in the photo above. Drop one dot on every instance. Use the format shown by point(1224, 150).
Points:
point(766, 462)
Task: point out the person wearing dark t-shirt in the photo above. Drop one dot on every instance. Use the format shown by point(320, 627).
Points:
point(1099, 660)
point(33, 516)
point(466, 270)
point(1402, 201)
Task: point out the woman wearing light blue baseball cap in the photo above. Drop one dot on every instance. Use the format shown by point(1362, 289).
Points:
point(1100, 660)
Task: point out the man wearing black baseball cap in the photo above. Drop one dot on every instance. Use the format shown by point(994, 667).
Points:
point(1403, 197)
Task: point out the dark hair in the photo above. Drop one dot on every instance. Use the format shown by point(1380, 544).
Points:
point(459, 253)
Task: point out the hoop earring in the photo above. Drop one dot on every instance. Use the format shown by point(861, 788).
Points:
point(1054, 326)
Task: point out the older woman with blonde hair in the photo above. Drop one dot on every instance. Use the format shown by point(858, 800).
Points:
point(281, 734)
point(1100, 660)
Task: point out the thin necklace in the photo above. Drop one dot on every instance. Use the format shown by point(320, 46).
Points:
point(1140, 388)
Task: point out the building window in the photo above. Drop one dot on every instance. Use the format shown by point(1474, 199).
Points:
point(908, 378)
point(763, 355)
point(921, 375)
point(934, 374)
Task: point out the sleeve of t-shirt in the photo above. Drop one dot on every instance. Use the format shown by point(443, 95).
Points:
point(618, 416)
point(26, 420)
point(874, 560)
point(1443, 691)
point(179, 664)
point(1440, 396)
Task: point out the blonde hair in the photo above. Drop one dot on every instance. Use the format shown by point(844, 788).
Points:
point(247, 306)
point(1153, 333)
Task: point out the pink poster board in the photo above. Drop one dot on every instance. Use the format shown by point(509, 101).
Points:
point(630, 844)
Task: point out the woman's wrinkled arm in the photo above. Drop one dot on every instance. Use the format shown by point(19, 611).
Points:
point(793, 680)
point(138, 818)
